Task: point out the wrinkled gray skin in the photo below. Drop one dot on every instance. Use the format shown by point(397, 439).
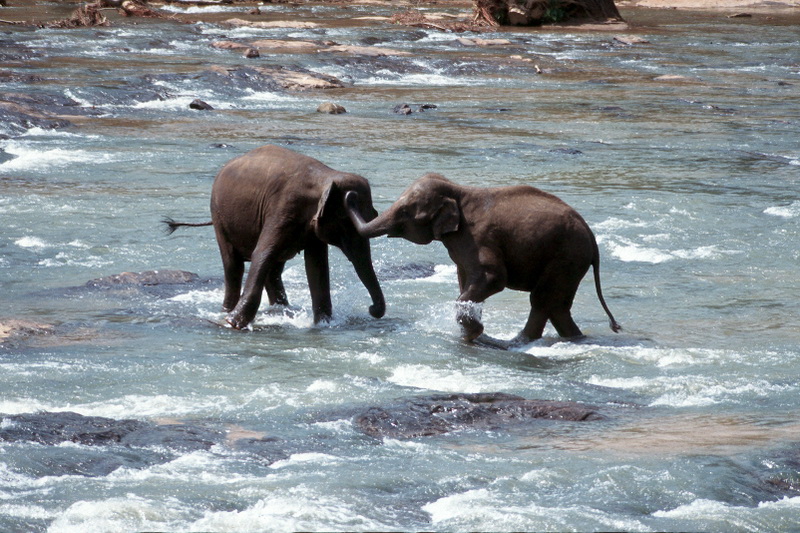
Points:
point(271, 203)
point(516, 237)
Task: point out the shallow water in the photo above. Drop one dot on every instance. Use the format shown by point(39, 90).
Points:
point(689, 184)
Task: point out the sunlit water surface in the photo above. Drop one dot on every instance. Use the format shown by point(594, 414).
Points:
point(690, 184)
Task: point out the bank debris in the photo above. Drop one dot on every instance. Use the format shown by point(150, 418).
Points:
point(90, 14)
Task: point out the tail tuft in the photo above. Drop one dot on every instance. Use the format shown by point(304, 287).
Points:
point(170, 224)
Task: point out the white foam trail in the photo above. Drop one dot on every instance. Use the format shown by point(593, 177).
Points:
point(31, 242)
point(784, 211)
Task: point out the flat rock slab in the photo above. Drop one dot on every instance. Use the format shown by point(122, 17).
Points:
point(127, 442)
point(146, 278)
point(438, 414)
point(267, 77)
point(272, 24)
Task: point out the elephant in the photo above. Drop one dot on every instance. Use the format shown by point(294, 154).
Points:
point(517, 237)
point(268, 205)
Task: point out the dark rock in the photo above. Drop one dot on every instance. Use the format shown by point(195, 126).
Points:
point(200, 105)
point(181, 437)
point(402, 109)
point(252, 53)
point(566, 151)
point(406, 109)
point(55, 428)
point(148, 277)
point(20, 112)
point(434, 415)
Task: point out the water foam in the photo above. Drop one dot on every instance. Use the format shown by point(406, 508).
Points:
point(784, 211)
point(29, 158)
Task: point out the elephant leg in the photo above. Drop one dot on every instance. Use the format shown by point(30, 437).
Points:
point(233, 269)
point(554, 295)
point(261, 263)
point(477, 289)
point(319, 283)
point(534, 327)
point(566, 327)
point(274, 285)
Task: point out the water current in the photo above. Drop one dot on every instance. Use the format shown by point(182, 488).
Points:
point(682, 153)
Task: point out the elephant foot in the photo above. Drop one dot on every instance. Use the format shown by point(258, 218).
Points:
point(237, 321)
point(377, 311)
point(468, 316)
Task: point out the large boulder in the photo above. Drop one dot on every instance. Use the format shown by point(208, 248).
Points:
point(437, 414)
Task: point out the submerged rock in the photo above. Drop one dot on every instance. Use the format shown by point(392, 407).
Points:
point(132, 443)
point(407, 109)
point(437, 414)
point(408, 271)
point(148, 277)
point(331, 108)
point(200, 105)
point(13, 329)
point(20, 112)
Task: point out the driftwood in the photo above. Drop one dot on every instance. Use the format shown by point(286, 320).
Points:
point(419, 20)
point(90, 15)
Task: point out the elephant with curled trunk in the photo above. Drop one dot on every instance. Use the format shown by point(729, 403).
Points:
point(268, 205)
point(516, 237)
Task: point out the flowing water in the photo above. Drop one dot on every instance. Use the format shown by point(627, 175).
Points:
point(690, 184)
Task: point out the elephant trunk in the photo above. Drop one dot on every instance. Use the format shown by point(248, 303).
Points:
point(359, 254)
point(375, 228)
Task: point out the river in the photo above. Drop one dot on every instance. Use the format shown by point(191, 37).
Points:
point(681, 152)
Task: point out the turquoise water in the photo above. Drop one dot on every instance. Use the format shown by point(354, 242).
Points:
point(690, 184)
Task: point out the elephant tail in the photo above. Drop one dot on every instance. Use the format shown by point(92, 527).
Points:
point(615, 327)
point(172, 225)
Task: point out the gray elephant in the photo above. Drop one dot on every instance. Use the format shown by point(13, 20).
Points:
point(517, 237)
point(268, 205)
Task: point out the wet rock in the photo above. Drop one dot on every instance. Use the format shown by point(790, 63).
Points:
point(181, 437)
point(146, 278)
point(125, 442)
point(200, 105)
point(271, 78)
point(566, 151)
point(20, 112)
point(252, 53)
point(407, 109)
point(630, 39)
point(331, 108)
point(408, 271)
point(281, 44)
point(229, 45)
point(271, 24)
point(438, 414)
point(740, 16)
point(482, 42)
point(372, 51)
point(55, 428)
point(13, 329)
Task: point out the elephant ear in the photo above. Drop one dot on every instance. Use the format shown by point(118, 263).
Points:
point(446, 219)
point(327, 210)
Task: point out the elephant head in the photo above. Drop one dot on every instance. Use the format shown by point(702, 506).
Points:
point(333, 226)
point(426, 211)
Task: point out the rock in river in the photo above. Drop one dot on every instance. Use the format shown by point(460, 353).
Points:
point(437, 414)
point(148, 277)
